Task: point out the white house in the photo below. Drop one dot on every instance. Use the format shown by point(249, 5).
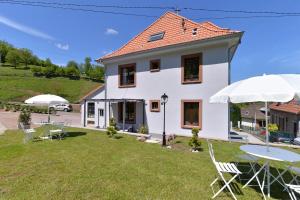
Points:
point(188, 61)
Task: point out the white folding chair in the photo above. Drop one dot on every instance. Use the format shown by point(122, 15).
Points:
point(221, 169)
point(293, 190)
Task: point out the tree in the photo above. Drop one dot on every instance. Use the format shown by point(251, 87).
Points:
point(97, 73)
point(72, 70)
point(4, 49)
point(47, 63)
point(13, 57)
point(87, 65)
point(26, 56)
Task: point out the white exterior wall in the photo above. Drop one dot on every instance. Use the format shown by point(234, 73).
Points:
point(151, 85)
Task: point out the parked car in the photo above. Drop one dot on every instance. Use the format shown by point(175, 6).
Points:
point(281, 137)
point(296, 141)
point(62, 107)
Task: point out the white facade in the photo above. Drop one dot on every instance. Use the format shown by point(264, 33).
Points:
point(151, 85)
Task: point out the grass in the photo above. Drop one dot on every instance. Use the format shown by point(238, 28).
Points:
point(89, 165)
point(19, 84)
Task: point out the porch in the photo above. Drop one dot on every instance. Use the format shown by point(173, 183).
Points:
point(129, 114)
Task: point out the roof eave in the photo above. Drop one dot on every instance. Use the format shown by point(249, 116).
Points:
point(203, 41)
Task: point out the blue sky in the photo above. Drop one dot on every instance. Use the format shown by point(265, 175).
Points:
point(269, 45)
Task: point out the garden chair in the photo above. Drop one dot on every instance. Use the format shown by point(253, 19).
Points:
point(293, 190)
point(223, 168)
point(28, 133)
point(59, 131)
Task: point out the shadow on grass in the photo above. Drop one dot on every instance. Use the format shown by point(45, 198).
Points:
point(277, 190)
point(74, 134)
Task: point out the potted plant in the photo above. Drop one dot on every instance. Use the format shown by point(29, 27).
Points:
point(25, 118)
point(194, 141)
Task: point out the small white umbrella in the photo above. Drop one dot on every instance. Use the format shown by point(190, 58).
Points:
point(266, 88)
point(46, 99)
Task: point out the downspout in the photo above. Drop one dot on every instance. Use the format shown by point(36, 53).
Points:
point(229, 58)
point(105, 98)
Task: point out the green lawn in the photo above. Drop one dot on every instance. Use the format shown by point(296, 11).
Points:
point(89, 165)
point(19, 84)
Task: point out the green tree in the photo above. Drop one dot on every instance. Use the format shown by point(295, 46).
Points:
point(87, 65)
point(4, 49)
point(37, 71)
point(47, 63)
point(97, 73)
point(13, 57)
point(26, 56)
point(72, 70)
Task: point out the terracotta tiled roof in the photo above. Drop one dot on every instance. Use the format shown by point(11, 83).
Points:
point(290, 107)
point(177, 30)
point(253, 110)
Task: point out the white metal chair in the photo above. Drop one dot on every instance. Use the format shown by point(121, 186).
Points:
point(222, 168)
point(293, 190)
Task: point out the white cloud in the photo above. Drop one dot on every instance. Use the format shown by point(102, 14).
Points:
point(104, 52)
point(25, 29)
point(111, 31)
point(64, 47)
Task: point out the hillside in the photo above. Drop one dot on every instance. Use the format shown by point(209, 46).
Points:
point(20, 84)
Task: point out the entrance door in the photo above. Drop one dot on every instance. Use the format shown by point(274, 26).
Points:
point(101, 117)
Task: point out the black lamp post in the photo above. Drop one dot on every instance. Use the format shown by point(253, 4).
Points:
point(164, 100)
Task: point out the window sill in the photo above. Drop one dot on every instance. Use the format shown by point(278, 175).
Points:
point(154, 70)
point(190, 127)
point(127, 86)
point(191, 82)
point(155, 110)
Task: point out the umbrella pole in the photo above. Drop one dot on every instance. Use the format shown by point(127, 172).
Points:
point(267, 124)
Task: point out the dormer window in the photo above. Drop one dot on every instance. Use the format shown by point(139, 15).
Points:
point(194, 32)
point(156, 36)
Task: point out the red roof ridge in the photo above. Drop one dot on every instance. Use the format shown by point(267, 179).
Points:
point(208, 26)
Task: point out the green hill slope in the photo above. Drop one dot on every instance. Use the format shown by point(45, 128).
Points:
point(18, 85)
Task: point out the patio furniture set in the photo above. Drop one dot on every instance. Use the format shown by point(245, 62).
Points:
point(52, 130)
point(260, 174)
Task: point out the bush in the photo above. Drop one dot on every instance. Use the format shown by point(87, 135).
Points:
point(143, 129)
point(272, 127)
point(112, 122)
point(25, 117)
point(194, 141)
point(111, 131)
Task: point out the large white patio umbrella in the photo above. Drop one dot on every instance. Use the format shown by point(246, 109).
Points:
point(46, 99)
point(266, 88)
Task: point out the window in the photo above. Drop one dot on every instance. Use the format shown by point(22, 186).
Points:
point(191, 114)
point(129, 112)
point(191, 68)
point(91, 110)
point(154, 105)
point(154, 65)
point(101, 112)
point(127, 75)
point(157, 36)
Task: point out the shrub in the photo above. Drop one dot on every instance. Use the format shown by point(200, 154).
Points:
point(273, 127)
point(25, 117)
point(194, 141)
point(143, 129)
point(111, 131)
point(112, 122)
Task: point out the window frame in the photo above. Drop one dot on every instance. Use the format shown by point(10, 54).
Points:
point(150, 65)
point(89, 114)
point(161, 34)
point(120, 75)
point(199, 101)
point(121, 113)
point(200, 79)
point(153, 109)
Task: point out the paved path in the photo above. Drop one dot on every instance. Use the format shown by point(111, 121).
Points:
point(252, 139)
point(10, 119)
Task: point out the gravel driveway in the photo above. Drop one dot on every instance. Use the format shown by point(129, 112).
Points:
point(9, 120)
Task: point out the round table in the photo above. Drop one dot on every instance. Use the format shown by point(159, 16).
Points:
point(269, 153)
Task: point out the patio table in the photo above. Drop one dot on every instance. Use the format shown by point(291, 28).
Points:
point(269, 154)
